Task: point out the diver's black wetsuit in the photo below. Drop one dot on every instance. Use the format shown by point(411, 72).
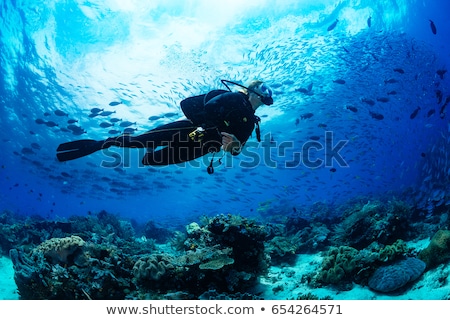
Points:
point(216, 112)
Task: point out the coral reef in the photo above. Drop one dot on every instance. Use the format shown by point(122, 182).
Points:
point(152, 268)
point(395, 276)
point(281, 248)
point(363, 224)
point(391, 252)
point(345, 265)
point(100, 256)
point(225, 255)
point(438, 251)
point(91, 271)
point(338, 265)
point(59, 250)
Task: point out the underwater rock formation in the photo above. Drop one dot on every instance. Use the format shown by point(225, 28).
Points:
point(373, 221)
point(438, 251)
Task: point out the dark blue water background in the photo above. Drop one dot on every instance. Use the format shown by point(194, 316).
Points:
point(73, 56)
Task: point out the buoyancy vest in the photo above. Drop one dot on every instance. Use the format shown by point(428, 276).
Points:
point(194, 107)
point(223, 110)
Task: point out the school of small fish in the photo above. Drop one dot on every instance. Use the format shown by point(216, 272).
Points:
point(384, 93)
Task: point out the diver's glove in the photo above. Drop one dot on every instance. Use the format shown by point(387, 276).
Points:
point(230, 143)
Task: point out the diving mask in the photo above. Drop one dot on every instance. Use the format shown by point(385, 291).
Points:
point(266, 94)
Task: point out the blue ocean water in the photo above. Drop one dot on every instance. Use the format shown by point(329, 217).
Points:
point(360, 105)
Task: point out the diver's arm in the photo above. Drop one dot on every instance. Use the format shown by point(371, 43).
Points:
point(231, 144)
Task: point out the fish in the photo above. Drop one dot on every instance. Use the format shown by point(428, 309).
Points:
point(414, 113)
point(297, 121)
point(304, 91)
point(441, 73)
point(169, 114)
point(78, 132)
point(306, 115)
point(106, 124)
point(433, 27)
point(322, 125)
point(46, 114)
point(333, 170)
point(74, 127)
point(114, 103)
point(153, 118)
point(340, 81)
point(431, 112)
point(315, 138)
point(36, 146)
point(383, 99)
point(129, 130)
point(126, 123)
point(65, 174)
point(399, 70)
point(96, 110)
point(377, 116)
point(51, 124)
point(368, 101)
point(113, 131)
point(60, 113)
point(114, 120)
point(72, 121)
point(26, 150)
point(333, 25)
point(392, 92)
point(442, 112)
point(106, 113)
point(439, 96)
point(391, 80)
point(39, 121)
point(352, 108)
point(369, 21)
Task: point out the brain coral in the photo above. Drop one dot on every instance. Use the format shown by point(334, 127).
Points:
point(395, 276)
point(58, 250)
point(152, 267)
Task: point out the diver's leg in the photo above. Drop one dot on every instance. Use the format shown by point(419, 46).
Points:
point(157, 137)
point(183, 148)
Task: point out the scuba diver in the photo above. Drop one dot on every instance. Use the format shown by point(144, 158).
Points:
point(218, 119)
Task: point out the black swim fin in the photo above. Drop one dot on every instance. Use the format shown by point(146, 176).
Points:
point(77, 149)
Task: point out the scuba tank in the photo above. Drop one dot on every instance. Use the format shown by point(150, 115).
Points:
point(194, 107)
